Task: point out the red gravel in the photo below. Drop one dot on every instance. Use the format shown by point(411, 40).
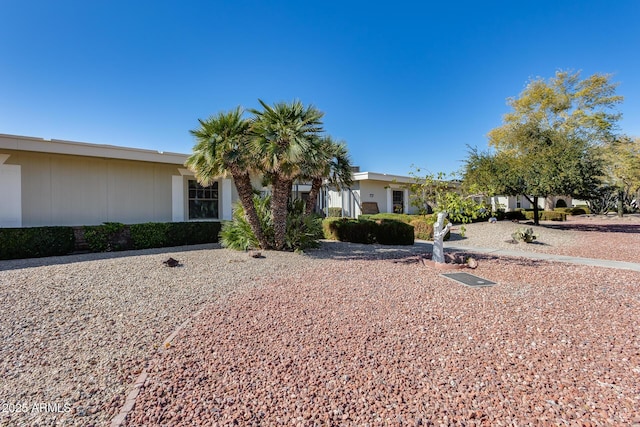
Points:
point(391, 342)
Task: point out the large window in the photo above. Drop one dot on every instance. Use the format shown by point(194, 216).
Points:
point(203, 201)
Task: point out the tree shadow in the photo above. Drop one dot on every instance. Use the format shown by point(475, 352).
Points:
point(330, 249)
point(596, 228)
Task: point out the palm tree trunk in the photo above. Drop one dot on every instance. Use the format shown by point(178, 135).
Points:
point(316, 183)
point(245, 193)
point(281, 192)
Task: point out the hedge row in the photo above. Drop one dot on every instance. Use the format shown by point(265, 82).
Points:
point(578, 210)
point(519, 214)
point(384, 231)
point(422, 224)
point(37, 242)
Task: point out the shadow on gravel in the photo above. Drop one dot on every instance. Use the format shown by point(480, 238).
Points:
point(15, 264)
point(358, 251)
point(402, 254)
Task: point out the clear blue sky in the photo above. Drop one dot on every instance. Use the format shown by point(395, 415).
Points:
point(403, 82)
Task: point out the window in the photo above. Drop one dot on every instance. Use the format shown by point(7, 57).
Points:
point(203, 201)
point(398, 201)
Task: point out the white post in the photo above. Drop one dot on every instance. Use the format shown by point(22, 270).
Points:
point(177, 198)
point(226, 199)
point(405, 201)
point(10, 194)
point(438, 238)
point(389, 200)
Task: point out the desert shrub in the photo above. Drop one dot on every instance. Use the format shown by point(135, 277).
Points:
point(334, 212)
point(110, 236)
point(547, 215)
point(422, 229)
point(524, 234)
point(237, 234)
point(302, 232)
point(35, 242)
point(349, 230)
point(392, 232)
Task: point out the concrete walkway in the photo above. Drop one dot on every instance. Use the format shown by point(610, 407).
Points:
point(547, 257)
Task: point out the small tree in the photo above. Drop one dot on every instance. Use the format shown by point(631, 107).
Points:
point(436, 193)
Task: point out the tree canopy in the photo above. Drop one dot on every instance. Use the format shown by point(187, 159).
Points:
point(548, 144)
point(282, 143)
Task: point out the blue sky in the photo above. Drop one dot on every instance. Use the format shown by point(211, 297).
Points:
point(402, 83)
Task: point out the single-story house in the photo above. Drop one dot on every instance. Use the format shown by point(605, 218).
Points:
point(54, 182)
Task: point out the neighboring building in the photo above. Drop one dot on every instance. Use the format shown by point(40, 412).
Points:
point(384, 193)
point(511, 203)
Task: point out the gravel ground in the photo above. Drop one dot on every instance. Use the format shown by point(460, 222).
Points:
point(76, 331)
point(603, 237)
point(379, 339)
point(346, 335)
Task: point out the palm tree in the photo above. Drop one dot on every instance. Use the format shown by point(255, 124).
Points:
point(331, 162)
point(283, 135)
point(222, 149)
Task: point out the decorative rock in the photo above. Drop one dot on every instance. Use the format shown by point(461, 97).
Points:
point(172, 263)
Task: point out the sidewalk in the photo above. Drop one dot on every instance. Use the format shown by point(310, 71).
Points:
point(547, 257)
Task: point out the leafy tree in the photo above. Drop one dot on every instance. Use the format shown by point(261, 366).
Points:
point(547, 143)
point(282, 136)
point(222, 149)
point(437, 193)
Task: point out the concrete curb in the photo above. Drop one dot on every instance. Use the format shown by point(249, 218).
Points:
point(548, 257)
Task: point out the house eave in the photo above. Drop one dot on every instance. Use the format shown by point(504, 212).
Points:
point(57, 146)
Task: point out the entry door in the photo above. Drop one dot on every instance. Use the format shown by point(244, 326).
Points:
point(398, 201)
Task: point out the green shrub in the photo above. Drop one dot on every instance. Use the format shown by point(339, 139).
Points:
point(349, 230)
point(192, 233)
point(334, 212)
point(392, 232)
point(110, 236)
point(35, 242)
point(515, 215)
point(547, 215)
point(395, 216)
point(149, 235)
point(384, 231)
